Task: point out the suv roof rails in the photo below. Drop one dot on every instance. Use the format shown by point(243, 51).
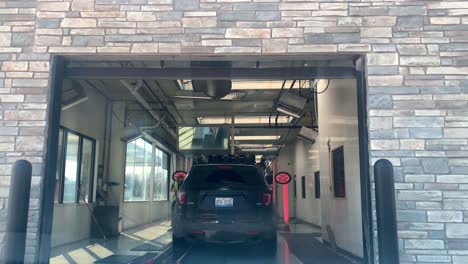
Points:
point(226, 159)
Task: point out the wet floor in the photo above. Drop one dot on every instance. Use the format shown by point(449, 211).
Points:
point(233, 254)
point(301, 244)
point(303, 251)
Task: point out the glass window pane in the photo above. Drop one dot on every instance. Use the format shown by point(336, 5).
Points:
point(86, 170)
point(58, 172)
point(160, 185)
point(129, 170)
point(147, 172)
point(138, 170)
point(71, 166)
point(138, 184)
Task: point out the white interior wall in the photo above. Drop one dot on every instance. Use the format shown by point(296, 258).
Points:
point(337, 110)
point(306, 162)
point(72, 221)
point(338, 126)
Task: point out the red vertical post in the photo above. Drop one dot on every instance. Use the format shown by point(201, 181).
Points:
point(285, 204)
point(273, 170)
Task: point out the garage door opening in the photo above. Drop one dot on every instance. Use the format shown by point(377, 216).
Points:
point(123, 128)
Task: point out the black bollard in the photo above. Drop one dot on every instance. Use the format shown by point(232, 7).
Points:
point(18, 207)
point(386, 212)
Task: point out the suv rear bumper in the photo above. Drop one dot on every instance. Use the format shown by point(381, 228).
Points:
point(225, 232)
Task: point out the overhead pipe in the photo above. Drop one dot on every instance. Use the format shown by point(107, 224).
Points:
point(133, 88)
point(165, 106)
point(156, 125)
point(82, 97)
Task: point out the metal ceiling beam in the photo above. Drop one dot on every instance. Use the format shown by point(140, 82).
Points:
point(280, 73)
point(169, 104)
point(253, 126)
point(134, 90)
point(165, 106)
point(220, 112)
point(247, 142)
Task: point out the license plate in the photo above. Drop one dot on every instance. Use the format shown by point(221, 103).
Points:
point(224, 201)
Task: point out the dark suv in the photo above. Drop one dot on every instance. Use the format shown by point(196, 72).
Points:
point(225, 203)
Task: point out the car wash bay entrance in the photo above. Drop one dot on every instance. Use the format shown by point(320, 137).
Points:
point(120, 128)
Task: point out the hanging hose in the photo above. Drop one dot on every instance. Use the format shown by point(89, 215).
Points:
point(273, 109)
point(92, 215)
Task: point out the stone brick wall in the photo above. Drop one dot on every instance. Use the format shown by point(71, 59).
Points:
point(417, 56)
point(24, 77)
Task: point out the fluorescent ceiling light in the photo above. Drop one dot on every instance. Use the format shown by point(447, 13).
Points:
point(242, 120)
point(260, 85)
point(186, 85)
point(289, 112)
point(243, 146)
point(260, 150)
point(272, 137)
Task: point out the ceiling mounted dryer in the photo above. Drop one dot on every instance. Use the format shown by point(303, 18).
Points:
point(308, 135)
point(215, 89)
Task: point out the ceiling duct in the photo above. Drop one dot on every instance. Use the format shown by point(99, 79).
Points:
point(215, 89)
point(73, 95)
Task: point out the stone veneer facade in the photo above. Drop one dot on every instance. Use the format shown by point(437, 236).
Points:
point(417, 57)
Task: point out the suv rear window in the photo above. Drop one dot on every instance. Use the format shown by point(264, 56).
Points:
point(224, 174)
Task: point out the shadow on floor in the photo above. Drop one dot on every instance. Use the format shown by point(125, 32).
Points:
point(132, 243)
point(310, 251)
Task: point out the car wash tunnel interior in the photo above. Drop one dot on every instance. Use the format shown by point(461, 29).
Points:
point(292, 127)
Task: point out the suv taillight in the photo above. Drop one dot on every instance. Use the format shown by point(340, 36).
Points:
point(181, 197)
point(266, 198)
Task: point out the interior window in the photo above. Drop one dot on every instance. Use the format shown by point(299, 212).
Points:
point(75, 167)
point(87, 168)
point(58, 171)
point(138, 170)
point(317, 184)
point(338, 172)
point(161, 177)
point(303, 186)
point(71, 168)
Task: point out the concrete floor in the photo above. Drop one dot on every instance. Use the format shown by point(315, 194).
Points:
point(92, 250)
point(301, 244)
